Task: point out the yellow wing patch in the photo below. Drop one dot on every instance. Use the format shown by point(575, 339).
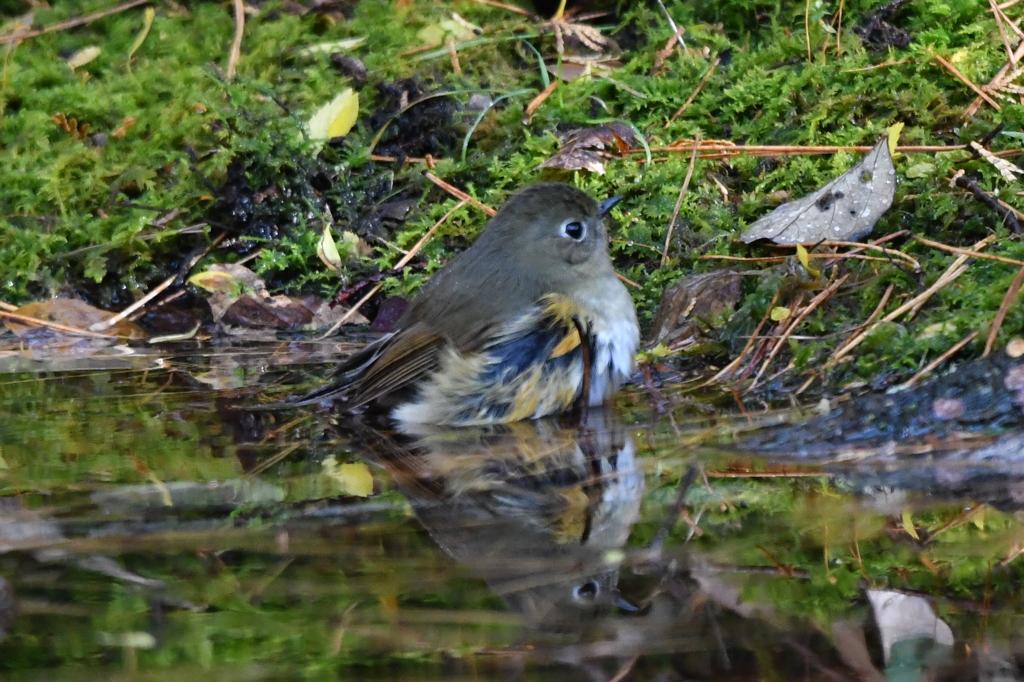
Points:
point(570, 342)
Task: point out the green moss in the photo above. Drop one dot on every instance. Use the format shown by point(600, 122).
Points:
point(75, 215)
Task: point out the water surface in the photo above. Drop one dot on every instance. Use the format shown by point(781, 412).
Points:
point(152, 527)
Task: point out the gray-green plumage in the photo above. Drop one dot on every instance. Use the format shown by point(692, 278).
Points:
point(518, 258)
point(547, 243)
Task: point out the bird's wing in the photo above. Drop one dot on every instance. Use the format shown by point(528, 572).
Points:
point(409, 355)
point(386, 365)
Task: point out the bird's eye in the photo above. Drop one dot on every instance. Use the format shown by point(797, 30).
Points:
point(574, 229)
point(588, 591)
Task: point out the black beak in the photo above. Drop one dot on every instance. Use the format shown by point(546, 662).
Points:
point(608, 204)
point(621, 602)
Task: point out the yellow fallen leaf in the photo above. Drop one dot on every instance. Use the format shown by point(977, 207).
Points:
point(805, 260)
point(353, 479)
point(83, 56)
point(894, 135)
point(979, 518)
point(328, 250)
point(779, 313)
point(908, 524)
point(335, 118)
point(213, 280)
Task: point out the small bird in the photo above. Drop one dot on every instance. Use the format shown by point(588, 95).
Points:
point(526, 322)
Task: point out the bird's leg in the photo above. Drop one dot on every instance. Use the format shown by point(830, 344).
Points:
point(582, 405)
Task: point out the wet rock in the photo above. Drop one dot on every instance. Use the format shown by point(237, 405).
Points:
point(973, 398)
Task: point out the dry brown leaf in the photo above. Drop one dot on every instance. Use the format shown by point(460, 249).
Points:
point(239, 298)
point(689, 306)
point(588, 148)
point(71, 312)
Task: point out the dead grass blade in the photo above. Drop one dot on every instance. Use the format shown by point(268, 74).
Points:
point(967, 81)
point(966, 252)
point(1004, 308)
point(679, 202)
point(693, 95)
point(236, 43)
point(72, 23)
point(534, 104)
point(930, 367)
point(459, 194)
point(798, 319)
point(400, 264)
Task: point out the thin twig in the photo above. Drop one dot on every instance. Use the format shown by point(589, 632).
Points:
point(72, 23)
point(157, 290)
point(732, 366)
point(878, 242)
point(874, 246)
point(1004, 308)
point(717, 149)
point(970, 184)
point(967, 81)
point(957, 268)
point(798, 320)
point(997, 80)
point(927, 369)
point(836, 257)
point(693, 95)
point(459, 194)
point(967, 252)
point(398, 266)
point(627, 281)
point(236, 44)
point(679, 202)
point(501, 5)
point(428, 234)
point(454, 54)
point(1001, 25)
point(58, 327)
point(539, 99)
point(106, 324)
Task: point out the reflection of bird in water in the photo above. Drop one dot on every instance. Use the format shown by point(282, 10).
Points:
point(539, 511)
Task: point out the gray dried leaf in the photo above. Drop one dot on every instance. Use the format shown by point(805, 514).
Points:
point(845, 209)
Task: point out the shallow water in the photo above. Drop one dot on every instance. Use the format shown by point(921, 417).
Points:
point(153, 528)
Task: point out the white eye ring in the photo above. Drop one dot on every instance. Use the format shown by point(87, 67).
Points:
point(573, 229)
point(587, 592)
